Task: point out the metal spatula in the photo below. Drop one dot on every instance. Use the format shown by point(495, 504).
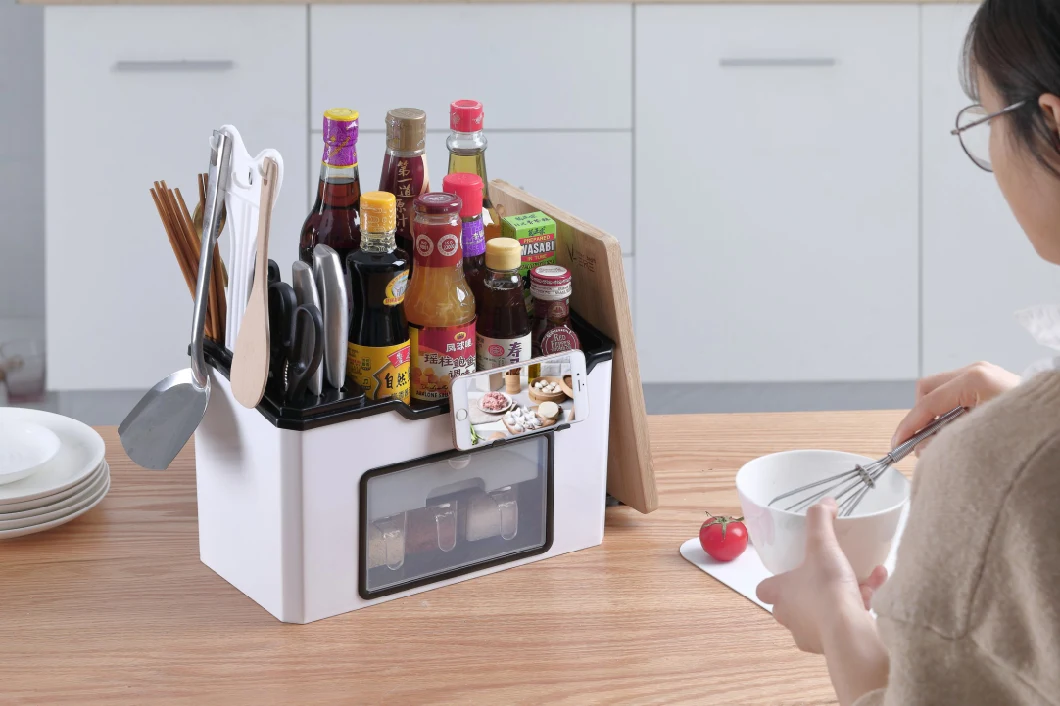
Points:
point(161, 423)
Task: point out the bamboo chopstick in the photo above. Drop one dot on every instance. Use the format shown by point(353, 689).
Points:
point(185, 240)
point(217, 273)
point(174, 242)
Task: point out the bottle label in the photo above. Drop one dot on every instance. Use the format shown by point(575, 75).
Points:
point(474, 237)
point(409, 180)
point(437, 246)
point(498, 352)
point(557, 311)
point(383, 371)
point(395, 289)
point(558, 340)
point(439, 354)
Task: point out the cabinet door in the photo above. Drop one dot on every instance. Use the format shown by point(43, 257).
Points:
point(587, 174)
point(548, 66)
point(21, 170)
point(776, 192)
point(979, 267)
point(132, 96)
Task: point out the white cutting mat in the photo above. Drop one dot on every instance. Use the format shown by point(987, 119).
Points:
point(744, 573)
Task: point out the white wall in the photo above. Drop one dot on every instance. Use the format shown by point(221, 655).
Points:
point(22, 169)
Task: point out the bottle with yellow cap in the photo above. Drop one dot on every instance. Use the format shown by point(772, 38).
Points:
point(334, 219)
point(503, 333)
point(379, 350)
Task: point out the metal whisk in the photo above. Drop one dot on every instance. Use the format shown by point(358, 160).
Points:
point(850, 488)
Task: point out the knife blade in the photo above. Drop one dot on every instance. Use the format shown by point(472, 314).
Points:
point(327, 271)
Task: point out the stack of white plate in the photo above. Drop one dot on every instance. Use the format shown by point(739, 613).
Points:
point(52, 469)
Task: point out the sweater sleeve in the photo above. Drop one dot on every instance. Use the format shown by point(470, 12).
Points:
point(929, 669)
point(873, 698)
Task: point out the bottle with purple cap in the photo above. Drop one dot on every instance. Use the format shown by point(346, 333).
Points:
point(334, 219)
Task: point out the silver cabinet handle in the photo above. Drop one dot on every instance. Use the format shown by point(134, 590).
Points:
point(174, 65)
point(789, 62)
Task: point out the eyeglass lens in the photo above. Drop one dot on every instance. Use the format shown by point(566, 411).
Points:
point(975, 140)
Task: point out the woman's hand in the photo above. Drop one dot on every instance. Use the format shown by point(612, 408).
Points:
point(808, 600)
point(824, 608)
point(968, 387)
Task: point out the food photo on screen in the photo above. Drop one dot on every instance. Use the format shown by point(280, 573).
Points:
point(521, 401)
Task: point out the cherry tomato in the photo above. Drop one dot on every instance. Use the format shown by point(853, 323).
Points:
point(723, 538)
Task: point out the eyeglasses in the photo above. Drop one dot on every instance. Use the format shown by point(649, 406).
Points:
point(976, 143)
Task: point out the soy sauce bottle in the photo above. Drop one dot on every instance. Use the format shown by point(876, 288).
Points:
point(334, 220)
point(503, 334)
point(473, 238)
point(379, 350)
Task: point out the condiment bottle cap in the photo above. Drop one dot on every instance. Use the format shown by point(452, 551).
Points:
point(406, 130)
point(465, 116)
point(469, 188)
point(342, 115)
point(340, 137)
point(436, 203)
point(550, 282)
point(504, 254)
point(378, 212)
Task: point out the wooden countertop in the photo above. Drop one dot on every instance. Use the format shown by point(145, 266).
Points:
point(116, 608)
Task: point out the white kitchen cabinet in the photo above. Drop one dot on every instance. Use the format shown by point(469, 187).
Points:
point(979, 267)
point(777, 192)
point(132, 95)
point(588, 174)
point(549, 66)
point(21, 170)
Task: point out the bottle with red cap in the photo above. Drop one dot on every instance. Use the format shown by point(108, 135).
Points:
point(469, 188)
point(467, 155)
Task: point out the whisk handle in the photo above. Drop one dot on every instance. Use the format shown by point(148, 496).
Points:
point(935, 427)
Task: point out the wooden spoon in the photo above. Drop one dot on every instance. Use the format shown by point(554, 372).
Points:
point(250, 361)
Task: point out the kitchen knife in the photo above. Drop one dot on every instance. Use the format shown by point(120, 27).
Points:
point(327, 271)
point(306, 288)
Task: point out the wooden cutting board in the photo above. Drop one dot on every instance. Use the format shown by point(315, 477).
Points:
point(595, 261)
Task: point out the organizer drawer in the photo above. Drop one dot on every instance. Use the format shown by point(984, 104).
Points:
point(452, 513)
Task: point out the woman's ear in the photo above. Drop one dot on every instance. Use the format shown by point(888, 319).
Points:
point(1050, 106)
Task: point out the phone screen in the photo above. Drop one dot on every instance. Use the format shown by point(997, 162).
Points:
point(511, 403)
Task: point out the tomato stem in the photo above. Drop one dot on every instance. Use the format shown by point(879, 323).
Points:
point(724, 521)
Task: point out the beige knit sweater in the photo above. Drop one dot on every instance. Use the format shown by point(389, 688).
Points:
point(972, 613)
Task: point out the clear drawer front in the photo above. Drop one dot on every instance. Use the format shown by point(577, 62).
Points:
point(444, 515)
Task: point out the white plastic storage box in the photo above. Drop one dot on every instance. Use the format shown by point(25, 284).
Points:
point(344, 503)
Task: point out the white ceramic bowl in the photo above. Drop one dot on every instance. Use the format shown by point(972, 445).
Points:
point(24, 448)
point(779, 536)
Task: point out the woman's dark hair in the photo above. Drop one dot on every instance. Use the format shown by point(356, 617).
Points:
point(1016, 44)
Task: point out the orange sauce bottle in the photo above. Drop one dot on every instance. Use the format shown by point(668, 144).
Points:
point(439, 305)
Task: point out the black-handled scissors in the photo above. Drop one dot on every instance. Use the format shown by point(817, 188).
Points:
point(296, 341)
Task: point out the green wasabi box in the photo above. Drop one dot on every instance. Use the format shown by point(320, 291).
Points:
point(536, 233)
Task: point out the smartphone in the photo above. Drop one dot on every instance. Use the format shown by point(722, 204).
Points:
point(518, 400)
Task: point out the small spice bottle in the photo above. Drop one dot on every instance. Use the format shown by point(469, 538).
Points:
point(550, 287)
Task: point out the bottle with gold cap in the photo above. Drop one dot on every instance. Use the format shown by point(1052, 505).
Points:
point(503, 332)
point(334, 219)
point(405, 166)
point(379, 350)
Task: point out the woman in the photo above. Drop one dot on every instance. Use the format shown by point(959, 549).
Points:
point(972, 613)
